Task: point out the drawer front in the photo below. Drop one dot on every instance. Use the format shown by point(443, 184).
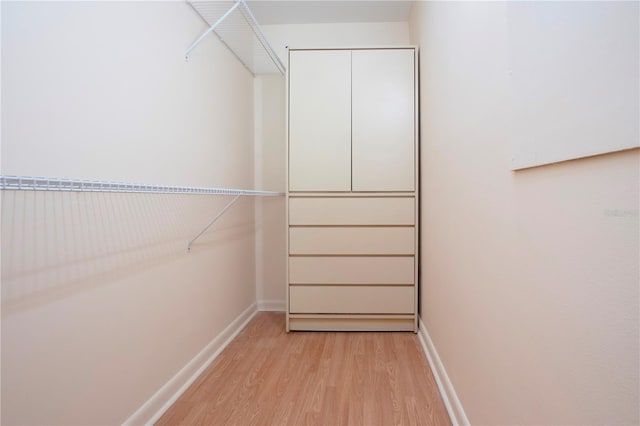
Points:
point(352, 241)
point(351, 300)
point(351, 270)
point(352, 211)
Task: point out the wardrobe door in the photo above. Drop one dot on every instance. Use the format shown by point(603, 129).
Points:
point(383, 118)
point(320, 120)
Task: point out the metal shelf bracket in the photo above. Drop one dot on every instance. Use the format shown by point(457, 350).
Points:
point(216, 217)
point(211, 28)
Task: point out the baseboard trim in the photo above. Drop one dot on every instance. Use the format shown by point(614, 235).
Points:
point(155, 407)
point(448, 393)
point(272, 305)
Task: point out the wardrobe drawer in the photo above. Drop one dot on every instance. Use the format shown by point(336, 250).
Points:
point(352, 211)
point(351, 270)
point(351, 300)
point(361, 240)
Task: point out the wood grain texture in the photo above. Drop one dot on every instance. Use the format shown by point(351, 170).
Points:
point(268, 377)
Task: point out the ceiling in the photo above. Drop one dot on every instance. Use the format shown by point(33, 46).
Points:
point(269, 12)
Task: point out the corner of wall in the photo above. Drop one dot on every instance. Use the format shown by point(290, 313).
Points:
point(447, 392)
point(151, 411)
point(272, 305)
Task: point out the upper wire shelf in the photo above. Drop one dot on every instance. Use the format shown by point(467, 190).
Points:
point(237, 28)
point(28, 183)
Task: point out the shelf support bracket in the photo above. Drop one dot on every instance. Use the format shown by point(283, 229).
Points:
point(218, 216)
point(211, 28)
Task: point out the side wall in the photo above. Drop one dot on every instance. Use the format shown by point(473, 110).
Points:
point(271, 137)
point(101, 303)
point(529, 278)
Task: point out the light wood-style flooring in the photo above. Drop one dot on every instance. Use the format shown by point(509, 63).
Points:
point(268, 377)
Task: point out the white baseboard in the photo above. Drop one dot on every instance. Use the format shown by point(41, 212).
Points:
point(272, 305)
point(160, 402)
point(448, 393)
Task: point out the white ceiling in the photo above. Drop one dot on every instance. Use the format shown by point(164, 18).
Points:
point(270, 12)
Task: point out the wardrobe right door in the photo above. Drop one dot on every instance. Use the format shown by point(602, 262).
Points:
point(383, 120)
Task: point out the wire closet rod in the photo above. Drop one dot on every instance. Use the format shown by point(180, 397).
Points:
point(30, 183)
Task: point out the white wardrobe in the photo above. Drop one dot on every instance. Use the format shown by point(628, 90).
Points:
point(352, 193)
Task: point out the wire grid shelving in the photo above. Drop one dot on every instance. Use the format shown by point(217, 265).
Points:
point(30, 183)
point(236, 26)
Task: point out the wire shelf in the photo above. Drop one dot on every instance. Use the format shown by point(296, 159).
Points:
point(237, 28)
point(28, 183)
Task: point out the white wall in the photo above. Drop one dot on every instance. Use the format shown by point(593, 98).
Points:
point(335, 35)
point(271, 131)
point(529, 278)
point(581, 66)
point(270, 174)
point(101, 304)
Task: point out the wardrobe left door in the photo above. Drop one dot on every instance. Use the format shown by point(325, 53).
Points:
point(320, 120)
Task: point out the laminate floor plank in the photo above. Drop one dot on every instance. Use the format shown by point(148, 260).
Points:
point(268, 377)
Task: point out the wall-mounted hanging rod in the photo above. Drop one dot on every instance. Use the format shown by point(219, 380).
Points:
point(29, 183)
point(240, 32)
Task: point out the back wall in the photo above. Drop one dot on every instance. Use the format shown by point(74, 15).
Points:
point(270, 128)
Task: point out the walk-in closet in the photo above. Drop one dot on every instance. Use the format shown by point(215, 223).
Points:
point(319, 212)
